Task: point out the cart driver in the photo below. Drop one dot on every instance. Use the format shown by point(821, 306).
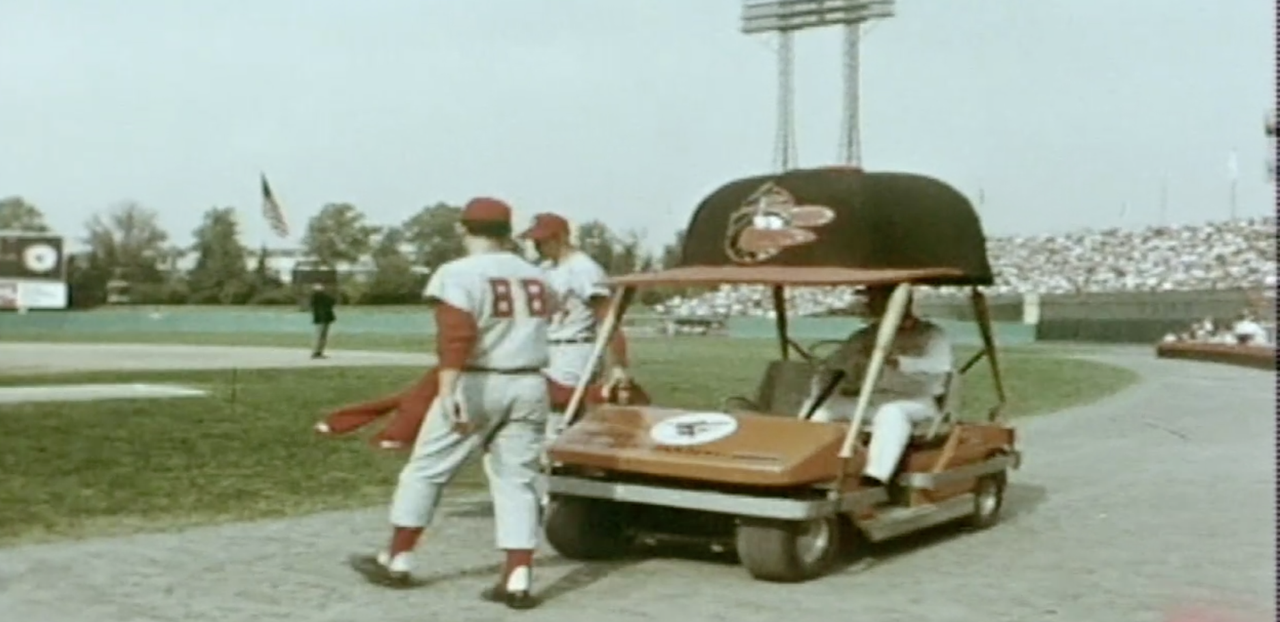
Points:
point(913, 378)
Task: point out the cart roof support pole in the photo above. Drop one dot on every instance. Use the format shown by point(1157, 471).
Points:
point(982, 313)
point(780, 319)
point(612, 322)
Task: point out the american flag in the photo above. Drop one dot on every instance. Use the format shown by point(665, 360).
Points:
point(271, 210)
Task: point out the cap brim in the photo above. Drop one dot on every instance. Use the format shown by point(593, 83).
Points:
point(536, 234)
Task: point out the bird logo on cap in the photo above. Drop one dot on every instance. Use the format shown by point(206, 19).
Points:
point(770, 221)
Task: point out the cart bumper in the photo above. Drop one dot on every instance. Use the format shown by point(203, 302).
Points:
point(780, 508)
point(715, 502)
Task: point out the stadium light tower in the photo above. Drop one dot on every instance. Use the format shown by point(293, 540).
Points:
point(786, 17)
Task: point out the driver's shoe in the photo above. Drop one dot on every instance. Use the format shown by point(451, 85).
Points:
point(866, 481)
point(897, 495)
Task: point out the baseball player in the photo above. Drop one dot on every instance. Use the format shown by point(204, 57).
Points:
point(913, 378)
point(583, 301)
point(491, 309)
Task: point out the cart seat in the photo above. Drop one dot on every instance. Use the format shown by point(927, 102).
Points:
point(782, 389)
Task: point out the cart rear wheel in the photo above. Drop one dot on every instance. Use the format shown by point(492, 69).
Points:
point(789, 551)
point(586, 529)
point(988, 499)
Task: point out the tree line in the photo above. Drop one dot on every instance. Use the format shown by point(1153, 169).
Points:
point(126, 244)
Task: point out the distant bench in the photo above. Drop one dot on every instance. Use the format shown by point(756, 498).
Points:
point(695, 326)
point(1257, 357)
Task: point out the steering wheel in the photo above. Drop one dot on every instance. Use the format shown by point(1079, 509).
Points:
point(820, 350)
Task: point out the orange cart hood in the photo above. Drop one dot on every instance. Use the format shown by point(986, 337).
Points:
point(705, 446)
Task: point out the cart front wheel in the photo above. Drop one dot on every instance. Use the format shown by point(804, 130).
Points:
point(789, 551)
point(585, 529)
point(988, 499)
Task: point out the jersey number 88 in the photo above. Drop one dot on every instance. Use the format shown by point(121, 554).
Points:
point(504, 304)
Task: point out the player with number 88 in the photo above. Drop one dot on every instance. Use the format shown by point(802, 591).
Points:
point(492, 310)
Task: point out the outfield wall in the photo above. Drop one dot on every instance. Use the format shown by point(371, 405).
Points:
point(1132, 317)
point(1114, 318)
point(808, 329)
point(372, 320)
point(1141, 317)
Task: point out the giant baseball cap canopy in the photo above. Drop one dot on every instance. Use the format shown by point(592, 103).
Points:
point(830, 226)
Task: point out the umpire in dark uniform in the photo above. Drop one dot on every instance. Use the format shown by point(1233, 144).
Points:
point(322, 303)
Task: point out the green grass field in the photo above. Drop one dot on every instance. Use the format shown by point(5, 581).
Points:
point(111, 467)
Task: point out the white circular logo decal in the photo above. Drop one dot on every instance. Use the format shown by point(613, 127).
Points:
point(693, 429)
point(40, 258)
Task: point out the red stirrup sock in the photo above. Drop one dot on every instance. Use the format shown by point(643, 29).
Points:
point(404, 540)
point(517, 573)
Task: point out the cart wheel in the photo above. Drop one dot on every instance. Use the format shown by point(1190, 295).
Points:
point(988, 498)
point(585, 529)
point(789, 551)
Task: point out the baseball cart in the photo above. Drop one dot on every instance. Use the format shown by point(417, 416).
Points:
point(755, 473)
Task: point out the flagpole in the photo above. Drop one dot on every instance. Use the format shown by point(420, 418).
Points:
point(1232, 200)
point(1164, 199)
point(1233, 173)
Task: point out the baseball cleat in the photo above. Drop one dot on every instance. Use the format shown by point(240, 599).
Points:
point(377, 573)
point(513, 600)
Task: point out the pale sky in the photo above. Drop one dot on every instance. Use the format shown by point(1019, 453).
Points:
point(629, 110)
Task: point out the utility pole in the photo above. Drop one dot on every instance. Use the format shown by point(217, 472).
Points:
point(1269, 125)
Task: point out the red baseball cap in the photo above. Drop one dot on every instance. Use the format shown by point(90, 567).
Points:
point(546, 225)
point(486, 209)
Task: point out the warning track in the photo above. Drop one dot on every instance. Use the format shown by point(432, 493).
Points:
point(1159, 498)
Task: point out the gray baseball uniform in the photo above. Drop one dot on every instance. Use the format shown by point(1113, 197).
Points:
point(575, 280)
point(500, 390)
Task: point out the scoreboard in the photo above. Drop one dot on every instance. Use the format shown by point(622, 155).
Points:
point(33, 271)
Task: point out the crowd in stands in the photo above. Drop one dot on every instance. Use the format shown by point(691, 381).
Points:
point(1220, 255)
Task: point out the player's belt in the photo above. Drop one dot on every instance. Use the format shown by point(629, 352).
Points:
point(515, 371)
point(571, 342)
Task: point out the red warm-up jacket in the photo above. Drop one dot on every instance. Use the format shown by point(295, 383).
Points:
point(408, 409)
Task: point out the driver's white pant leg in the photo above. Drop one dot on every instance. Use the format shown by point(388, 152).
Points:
point(891, 424)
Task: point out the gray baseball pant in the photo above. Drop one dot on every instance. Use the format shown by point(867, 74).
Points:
point(510, 412)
